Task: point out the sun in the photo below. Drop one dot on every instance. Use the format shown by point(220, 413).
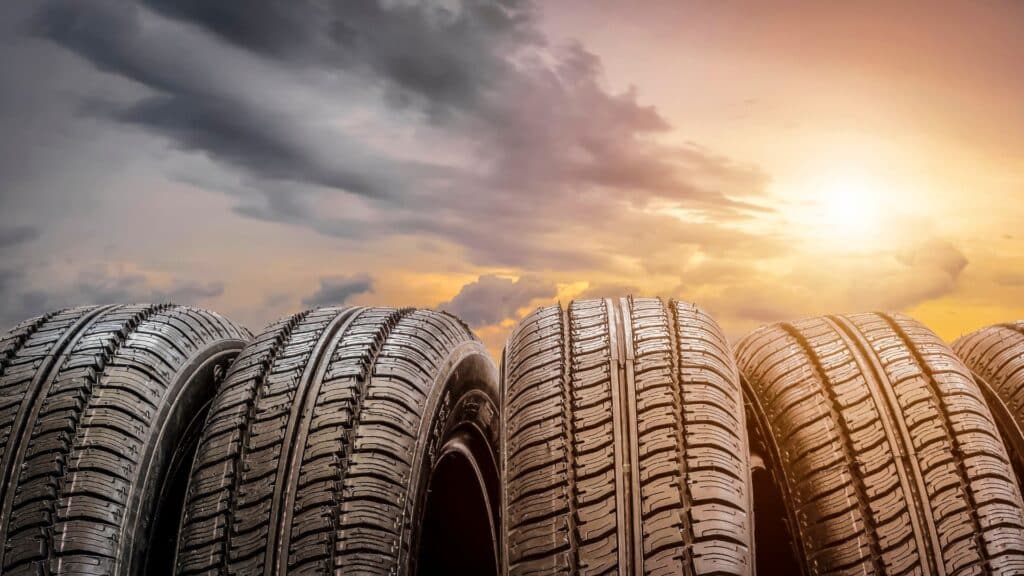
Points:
point(849, 207)
point(840, 210)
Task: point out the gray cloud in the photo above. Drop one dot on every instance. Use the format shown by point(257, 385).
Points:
point(512, 131)
point(197, 107)
point(446, 55)
point(336, 290)
point(15, 235)
point(491, 299)
point(21, 298)
point(8, 278)
point(190, 292)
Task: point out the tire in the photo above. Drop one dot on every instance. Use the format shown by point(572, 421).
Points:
point(625, 445)
point(322, 445)
point(886, 454)
point(996, 357)
point(97, 406)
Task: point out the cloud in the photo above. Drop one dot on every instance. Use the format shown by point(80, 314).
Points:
point(336, 290)
point(213, 103)
point(457, 119)
point(22, 296)
point(491, 298)
point(1010, 278)
point(611, 291)
point(745, 296)
point(15, 235)
point(190, 292)
point(448, 55)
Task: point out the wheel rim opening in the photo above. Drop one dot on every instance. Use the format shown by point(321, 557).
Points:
point(771, 530)
point(458, 534)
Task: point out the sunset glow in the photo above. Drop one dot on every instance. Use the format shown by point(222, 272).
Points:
point(766, 163)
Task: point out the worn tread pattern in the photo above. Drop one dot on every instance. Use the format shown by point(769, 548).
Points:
point(995, 354)
point(892, 461)
point(306, 458)
point(625, 443)
point(84, 393)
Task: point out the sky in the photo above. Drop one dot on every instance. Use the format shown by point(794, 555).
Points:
point(765, 160)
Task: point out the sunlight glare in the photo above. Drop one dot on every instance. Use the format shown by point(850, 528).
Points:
point(849, 207)
point(844, 210)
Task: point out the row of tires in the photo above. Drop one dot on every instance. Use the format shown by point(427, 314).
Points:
point(618, 436)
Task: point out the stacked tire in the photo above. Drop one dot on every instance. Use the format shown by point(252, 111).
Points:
point(621, 436)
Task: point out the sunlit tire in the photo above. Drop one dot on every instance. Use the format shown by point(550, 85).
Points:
point(625, 447)
point(888, 459)
point(349, 441)
point(99, 410)
point(996, 357)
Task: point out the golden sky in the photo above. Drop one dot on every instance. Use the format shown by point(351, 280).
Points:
point(764, 160)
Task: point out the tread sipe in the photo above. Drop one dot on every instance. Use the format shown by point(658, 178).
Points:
point(319, 448)
point(96, 412)
point(884, 449)
point(625, 448)
point(996, 357)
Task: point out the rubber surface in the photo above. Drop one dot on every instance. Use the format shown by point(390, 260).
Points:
point(996, 357)
point(94, 406)
point(625, 445)
point(317, 450)
point(890, 459)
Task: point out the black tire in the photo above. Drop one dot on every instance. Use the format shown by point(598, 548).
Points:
point(625, 445)
point(996, 357)
point(97, 406)
point(885, 452)
point(321, 444)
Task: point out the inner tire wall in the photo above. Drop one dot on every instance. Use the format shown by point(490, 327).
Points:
point(625, 447)
point(842, 398)
point(318, 449)
point(94, 402)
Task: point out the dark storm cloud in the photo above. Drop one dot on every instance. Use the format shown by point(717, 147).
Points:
point(15, 235)
point(189, 106)
point(541, 140)
point(491, 299)
point(447, 55)
point(336, 290)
